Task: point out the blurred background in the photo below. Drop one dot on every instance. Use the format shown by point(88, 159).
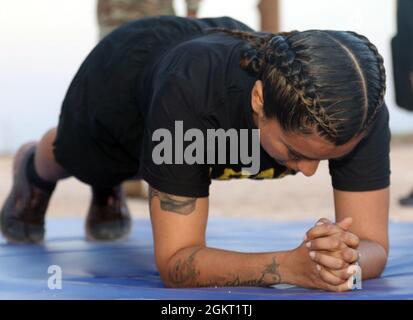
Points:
point(43, 42)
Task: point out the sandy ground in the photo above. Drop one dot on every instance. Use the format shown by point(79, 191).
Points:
point(291, 198)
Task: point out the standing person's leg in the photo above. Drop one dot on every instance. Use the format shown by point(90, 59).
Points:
point(111, 14)
point(404, 72)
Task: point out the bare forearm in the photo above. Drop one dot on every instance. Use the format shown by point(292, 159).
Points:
point(373, 258)
point(210, 267)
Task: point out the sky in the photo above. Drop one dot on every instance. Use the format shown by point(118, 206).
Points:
point(43, 42)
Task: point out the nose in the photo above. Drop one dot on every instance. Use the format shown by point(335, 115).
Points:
point(308, 167)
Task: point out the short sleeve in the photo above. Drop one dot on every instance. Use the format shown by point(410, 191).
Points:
point(172, 110)
point(367, 167)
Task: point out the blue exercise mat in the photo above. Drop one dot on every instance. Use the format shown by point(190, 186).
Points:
point(126, 269)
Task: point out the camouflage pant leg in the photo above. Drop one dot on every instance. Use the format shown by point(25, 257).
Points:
point(105, 30)
point(113, 13)
point(192, 5)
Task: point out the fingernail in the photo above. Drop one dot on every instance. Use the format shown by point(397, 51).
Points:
point(351, 271)
point(318, 267)
point(308, 244)
point(312, 254)
point(305, 237)
point(319, 223)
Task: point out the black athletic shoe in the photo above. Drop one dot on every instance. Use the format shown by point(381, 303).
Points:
point(108, 217)
point(407, 201)
point(23, 213)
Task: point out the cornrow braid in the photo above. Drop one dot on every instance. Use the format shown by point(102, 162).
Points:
point(382, 75)
point(251, 59)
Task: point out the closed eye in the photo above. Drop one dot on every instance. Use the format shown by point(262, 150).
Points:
point(297, 157)
point(293, 156)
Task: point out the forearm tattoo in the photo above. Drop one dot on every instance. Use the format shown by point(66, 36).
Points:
point(184, 273)
point(270, 270)
point(170, 202)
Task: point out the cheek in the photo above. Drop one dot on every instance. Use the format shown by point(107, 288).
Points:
point(273, 147)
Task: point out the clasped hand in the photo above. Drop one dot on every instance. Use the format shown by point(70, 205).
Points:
point(322, 261)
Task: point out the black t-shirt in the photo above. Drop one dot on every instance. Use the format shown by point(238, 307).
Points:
point(200, 83)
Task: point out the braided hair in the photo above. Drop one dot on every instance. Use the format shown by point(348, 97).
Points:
point(334, 81)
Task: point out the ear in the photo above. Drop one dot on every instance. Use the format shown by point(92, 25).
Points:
point(257, 99)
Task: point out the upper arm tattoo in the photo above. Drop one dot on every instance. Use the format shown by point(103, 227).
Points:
point(170, 202)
